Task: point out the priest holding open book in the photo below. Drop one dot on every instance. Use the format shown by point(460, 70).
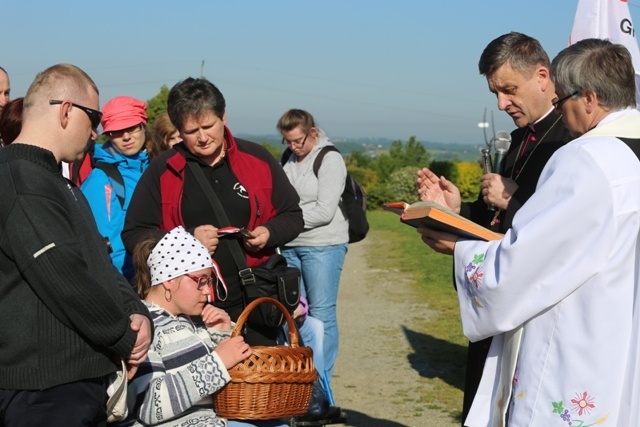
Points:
point(517, 70)
point(559, 291)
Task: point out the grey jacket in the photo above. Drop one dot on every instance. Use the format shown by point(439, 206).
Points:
point(324, 221)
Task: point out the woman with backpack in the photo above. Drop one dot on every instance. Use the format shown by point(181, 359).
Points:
point(319, 251)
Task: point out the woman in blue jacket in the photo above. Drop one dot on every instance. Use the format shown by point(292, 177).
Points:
point(119, 163)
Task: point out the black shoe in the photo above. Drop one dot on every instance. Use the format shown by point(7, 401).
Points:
point(333, 416)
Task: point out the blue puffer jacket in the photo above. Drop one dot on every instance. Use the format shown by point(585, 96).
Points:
point(106, 208)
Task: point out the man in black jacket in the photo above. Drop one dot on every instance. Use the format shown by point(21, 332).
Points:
point(68, 317)
point(517, 71)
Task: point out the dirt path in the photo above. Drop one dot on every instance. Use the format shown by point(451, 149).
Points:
point(377, 379)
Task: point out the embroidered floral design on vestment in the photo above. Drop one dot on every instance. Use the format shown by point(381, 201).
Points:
point(581, 405)
point(474, 277)
point(515, 385)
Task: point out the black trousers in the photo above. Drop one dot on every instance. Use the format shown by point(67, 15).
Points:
point(81, 403)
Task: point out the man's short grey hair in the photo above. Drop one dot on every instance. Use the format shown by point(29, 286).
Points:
point(598, 66)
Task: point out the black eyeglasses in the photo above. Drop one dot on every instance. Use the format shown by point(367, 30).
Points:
point(558, 104)
point(202, 281)
point(297, 142)
point(94, 115)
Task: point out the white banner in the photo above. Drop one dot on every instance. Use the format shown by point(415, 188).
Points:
point(608, 19)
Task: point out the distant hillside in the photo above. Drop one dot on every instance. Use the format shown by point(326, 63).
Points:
point(462, 152)
point(375, 146)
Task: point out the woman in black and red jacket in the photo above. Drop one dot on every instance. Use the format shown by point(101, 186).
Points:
point(249, 182)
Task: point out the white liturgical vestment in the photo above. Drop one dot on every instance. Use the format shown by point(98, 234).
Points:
point(567, 274)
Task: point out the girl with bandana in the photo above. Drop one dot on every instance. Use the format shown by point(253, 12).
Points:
point(191, 349)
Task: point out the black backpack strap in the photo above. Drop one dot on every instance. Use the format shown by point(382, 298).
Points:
point(114, 175)
point(284, 158)
point(316, 163)
point(212, 198)
point(323, 152)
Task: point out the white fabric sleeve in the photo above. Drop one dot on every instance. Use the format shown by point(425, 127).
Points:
point(560, 238)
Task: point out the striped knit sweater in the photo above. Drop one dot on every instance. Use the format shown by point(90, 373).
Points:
point(173, 387)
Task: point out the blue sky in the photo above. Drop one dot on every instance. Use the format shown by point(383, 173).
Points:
point(363, 68)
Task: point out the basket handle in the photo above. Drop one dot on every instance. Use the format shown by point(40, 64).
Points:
point(242, 319)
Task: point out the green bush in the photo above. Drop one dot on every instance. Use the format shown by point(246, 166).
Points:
point(378, 194)
point(402, 184)
point(446, 168)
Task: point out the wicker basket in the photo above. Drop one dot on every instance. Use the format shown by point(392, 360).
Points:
point(274, 382)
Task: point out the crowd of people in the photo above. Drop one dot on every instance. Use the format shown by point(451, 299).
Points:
point(120, 238)
point(129, 265)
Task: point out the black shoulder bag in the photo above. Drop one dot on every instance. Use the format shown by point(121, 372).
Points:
point(273, 279)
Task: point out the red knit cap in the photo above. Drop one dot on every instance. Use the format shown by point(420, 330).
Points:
point(122, 112)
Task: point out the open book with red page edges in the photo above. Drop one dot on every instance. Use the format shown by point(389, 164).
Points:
point(435, 216)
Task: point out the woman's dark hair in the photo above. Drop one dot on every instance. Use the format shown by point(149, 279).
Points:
point(142, 277)
point(193, 98)
point(11, 121)
point(161, 131)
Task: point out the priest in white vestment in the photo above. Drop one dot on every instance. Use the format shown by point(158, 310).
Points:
point(559, 291)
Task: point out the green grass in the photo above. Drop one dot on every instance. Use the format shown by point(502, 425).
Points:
point(440, 346)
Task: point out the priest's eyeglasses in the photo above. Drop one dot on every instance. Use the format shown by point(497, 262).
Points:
point(557, 104)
